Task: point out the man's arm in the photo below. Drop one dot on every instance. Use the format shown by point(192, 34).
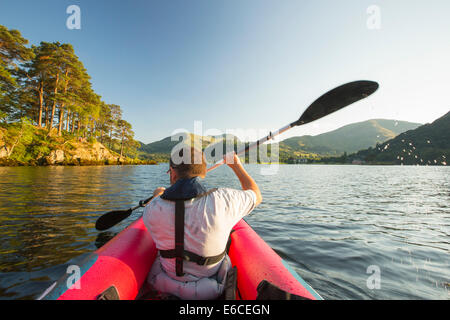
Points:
point(247, 182)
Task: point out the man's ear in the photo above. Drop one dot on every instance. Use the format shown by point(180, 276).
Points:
point(173, 176)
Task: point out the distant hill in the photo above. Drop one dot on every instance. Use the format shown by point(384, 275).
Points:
point(349, 139)
point(426, 145)
point(160, 150)
point(166, 145)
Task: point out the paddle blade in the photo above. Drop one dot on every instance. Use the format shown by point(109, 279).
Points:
point(337, 99)
point(112, 218)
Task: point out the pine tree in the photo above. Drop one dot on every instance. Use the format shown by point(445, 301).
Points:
point(49, 81)
point(12, 52)
point(125, 134)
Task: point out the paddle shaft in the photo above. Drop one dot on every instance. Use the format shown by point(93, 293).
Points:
point(255, 144)
point(142, 203)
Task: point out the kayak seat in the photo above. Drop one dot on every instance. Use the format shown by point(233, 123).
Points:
point(147, 292)
point(229, 292)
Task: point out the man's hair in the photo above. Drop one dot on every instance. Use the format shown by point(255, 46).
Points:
point(188, 166)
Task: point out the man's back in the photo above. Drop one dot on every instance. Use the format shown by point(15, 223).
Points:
point(208, 222)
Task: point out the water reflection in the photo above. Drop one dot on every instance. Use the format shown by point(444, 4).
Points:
point(47, 214)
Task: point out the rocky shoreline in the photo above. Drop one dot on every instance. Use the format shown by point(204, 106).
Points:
point(73, 152)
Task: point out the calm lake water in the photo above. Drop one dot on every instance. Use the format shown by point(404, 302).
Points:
point(332, 224)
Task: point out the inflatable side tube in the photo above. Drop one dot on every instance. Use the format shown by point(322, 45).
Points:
point(123, 262)
point(256, 261)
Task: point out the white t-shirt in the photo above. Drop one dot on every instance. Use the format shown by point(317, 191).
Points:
point(208, 223)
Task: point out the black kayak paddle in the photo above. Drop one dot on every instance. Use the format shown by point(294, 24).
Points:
point(112, 218)
point(328, 103)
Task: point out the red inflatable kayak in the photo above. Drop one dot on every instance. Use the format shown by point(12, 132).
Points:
point(124, 262)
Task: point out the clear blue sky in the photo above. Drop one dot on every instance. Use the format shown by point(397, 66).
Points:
point(250, 64)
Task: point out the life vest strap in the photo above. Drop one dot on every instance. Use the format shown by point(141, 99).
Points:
point(179, 236)
point(192, 257)
point(178, 252)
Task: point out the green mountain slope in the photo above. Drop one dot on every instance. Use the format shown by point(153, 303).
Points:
point(160, 150)
point(426, 145)
point(350, 138)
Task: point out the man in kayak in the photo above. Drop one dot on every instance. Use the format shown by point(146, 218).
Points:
point(191, 226)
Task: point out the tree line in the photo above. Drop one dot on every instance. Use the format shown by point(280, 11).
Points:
point(49, 85)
